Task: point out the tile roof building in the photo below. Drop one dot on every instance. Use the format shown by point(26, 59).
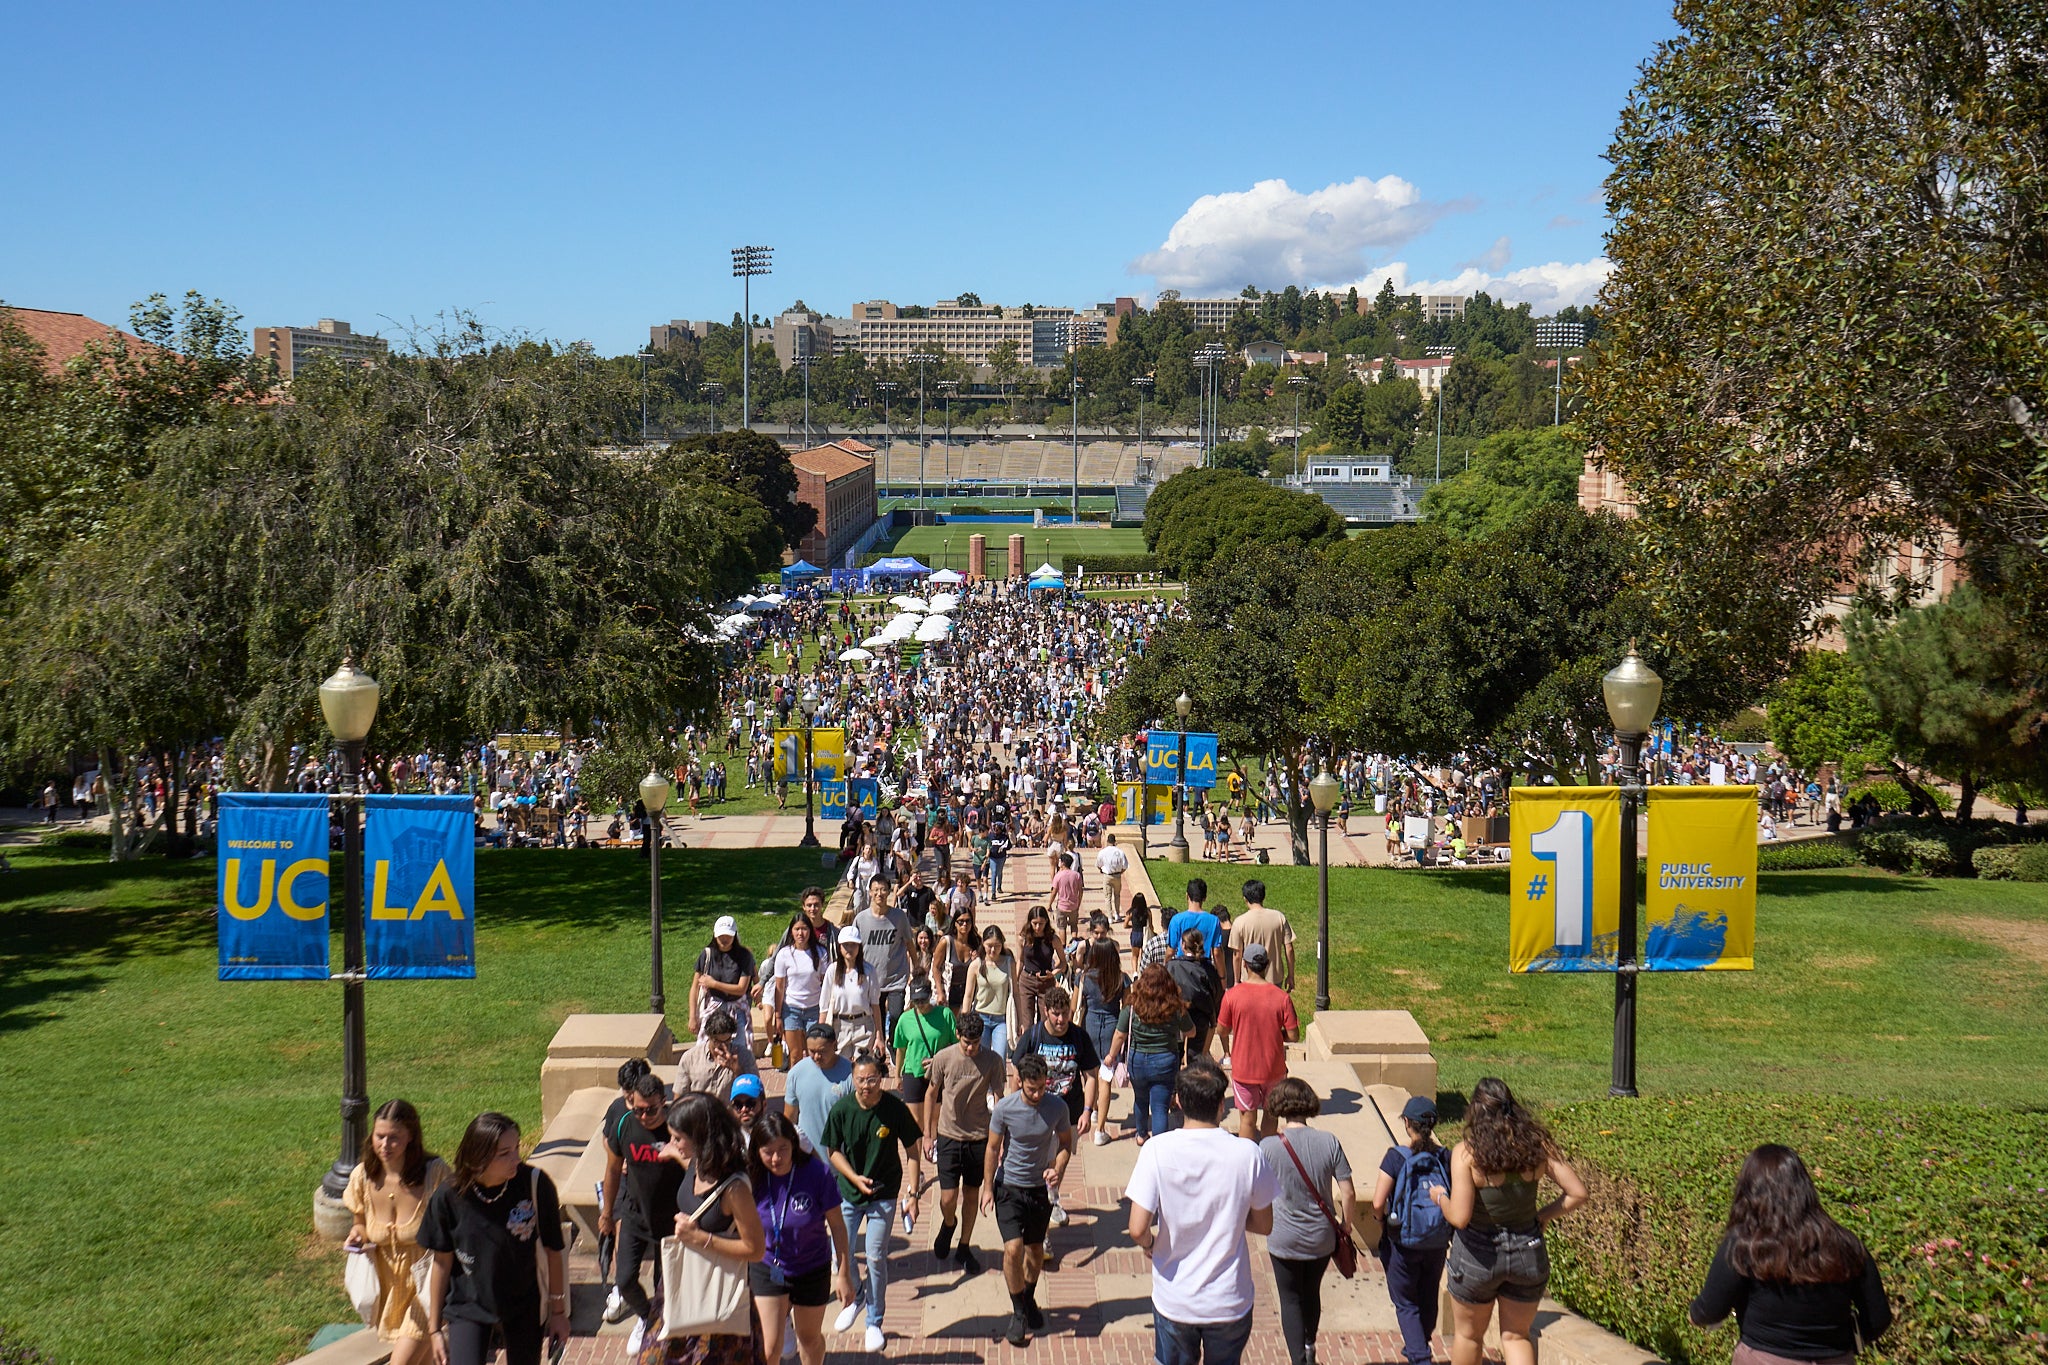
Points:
point(64, 335)
point(838, 480)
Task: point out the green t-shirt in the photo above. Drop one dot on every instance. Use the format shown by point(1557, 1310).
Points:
point(1154, 1037)
point(869, 1140)
point(921, 1036)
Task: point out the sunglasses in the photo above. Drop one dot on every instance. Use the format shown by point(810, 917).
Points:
point(746, 1102)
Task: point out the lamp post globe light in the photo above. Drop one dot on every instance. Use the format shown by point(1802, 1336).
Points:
point(1632, 690)
point(1177, 851)
point(348, 701)
point(1323, 790)
point(810, 709)
point(654, 794)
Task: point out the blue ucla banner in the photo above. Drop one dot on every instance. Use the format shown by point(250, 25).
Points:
point(831, 799)
point(271, 887)
point(865, 793)
point(1162, 755)
point(419, 875)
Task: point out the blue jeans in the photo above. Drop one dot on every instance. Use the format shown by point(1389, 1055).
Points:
point(1189, 1343)
point(875, 1289)
point(995, 1033)
point(1152, 1077)
point(995, 875)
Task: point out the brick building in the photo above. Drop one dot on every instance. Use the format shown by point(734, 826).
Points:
point(838, 479)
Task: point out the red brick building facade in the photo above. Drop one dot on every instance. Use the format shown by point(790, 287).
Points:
point(837, 479)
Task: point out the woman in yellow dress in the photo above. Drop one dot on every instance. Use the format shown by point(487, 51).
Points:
point(387, 1192)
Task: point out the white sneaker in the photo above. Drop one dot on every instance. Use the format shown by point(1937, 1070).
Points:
point(875, 1338)
point(789, 1337)
point(1101, 1138)
point(847, 1317)
point(639, 1335)
point(615, 1309)
point(1059, 1215)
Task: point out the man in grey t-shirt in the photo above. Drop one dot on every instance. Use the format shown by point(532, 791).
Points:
point(885, 945)
point(1030, 1141)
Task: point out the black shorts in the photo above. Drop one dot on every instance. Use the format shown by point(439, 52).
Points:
point(961, 1162)
point(811, 1289)
point(1023, 1212)
point(913, 1089)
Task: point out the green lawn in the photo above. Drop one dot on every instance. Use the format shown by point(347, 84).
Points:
point(945, 547)
point(164, 1131)
point(1096, 503)
point(1867, 985)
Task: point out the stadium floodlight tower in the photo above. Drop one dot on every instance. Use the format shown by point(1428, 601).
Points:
point(1297, 382)
point(924, 361)
point(1441, 353)
point(1560, 337)
point(1143, 384)
point(747, 262)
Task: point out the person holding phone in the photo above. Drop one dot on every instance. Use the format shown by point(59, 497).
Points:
point(867, 1133)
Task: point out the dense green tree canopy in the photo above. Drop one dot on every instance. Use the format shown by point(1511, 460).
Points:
point(1822, 713)
point(759, 468)
point(1211, 522)
point(1511, 474)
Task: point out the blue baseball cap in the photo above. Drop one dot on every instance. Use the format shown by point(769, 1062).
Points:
point(750, 1084)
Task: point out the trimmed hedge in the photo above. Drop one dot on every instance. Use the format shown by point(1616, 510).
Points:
point(1893, 798)
point(1938, 848)
point(2012, 862)
point(1808, 855)
point(1950, 1199)
point(1109, 563)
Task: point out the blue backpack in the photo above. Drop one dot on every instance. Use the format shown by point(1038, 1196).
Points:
point(1418, 1223)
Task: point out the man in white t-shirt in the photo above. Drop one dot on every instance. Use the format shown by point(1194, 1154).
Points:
point(1195, 1193)
point(1112, 863)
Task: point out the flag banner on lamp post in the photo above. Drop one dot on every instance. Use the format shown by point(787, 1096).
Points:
point(271, 880)
point(1564, 879)
point(866, 794)
point(828, 756)
point(832, 799)
point(789, 754)
point(419, 884)
point(1701, 905)
point(1162, 758)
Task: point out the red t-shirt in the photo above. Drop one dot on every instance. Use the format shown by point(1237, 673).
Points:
point(1258, 1017)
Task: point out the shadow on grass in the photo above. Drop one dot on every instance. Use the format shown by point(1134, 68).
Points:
point(50, 953)
point(598, 888)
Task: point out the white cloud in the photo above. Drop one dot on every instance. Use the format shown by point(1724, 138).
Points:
point(1273, 235)
point(1494, 258)
point(1544, 288)
point(1562, 220)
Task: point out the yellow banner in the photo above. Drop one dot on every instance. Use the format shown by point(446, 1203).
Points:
point(789, 755)
point(1702, 884)
point(1131, 798)
point(1564, 879)
point(828, 754)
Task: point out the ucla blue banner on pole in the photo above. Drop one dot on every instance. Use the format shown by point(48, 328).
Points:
point(1702, 885)
point(1162, 757)
point(832, 799)
point(866, 793)
point(271, 887)
point(419, 873)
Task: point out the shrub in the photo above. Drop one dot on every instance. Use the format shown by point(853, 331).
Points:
point(967, 510)
point(1746, 727)
point(1109, 564)
point(1938, 848)
point(1806, 855)
point(1950, 1200)
point(2012, 862)
point(1893, 799)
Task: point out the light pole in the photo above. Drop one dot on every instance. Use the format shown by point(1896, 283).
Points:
point(1323, 790)
point(810, 707)
point(348, 700)
point(807, 359)
point(1075, 385)
point(654, 790)
point(923, 362)
point(712, 391)
point(1177, 851)
point(1440, 353)
point(1297, 382)
point(1563, 336)
point(885, 387)
point(948, 387)
point(1143, 384)
point(1632, 690)
point(1201, 362)
point(643, 394)
point(747, 262)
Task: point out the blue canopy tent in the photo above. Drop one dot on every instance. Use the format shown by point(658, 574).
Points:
point(896, 566)
point(1040, 584)
point(801, 572)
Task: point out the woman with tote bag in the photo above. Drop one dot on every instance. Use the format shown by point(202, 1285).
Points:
point(706, 1312)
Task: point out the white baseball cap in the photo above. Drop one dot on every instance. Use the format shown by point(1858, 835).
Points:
point(726, 925)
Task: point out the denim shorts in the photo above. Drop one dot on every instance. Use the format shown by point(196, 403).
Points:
point(795, 1020)
point(1515, 1266)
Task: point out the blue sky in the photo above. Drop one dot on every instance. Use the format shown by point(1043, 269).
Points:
point(582, 171)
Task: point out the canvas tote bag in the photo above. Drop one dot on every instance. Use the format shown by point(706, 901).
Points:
point(704, 1293)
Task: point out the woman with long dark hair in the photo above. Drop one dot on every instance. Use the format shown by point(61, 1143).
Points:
point(486, 1227)
point(953, 960)
point(1801, 1286)
point(989, 991)
point(1038, 964)
point(805, 1235)
point(1154, 1026)
point(797, 971)
point(388, 1193)
point(1498, 1253)
point(707, 1142)
point(851, 1000)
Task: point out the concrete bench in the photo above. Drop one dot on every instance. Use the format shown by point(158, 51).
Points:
point(1384, 1047)
point(587, 1049)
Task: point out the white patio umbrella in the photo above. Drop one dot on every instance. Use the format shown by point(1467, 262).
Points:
point(948, 576)
point(876, 642)
point(761, 606)
point(945, 602)
point(854, 656)
point(907, 602)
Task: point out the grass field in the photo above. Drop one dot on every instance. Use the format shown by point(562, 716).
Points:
point(1866, 984)
point(1088, 504)
point(136, 1091)
point(945, 547)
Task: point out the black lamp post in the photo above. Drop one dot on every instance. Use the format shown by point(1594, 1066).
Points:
point(1177, 851)
point(1632, 690)
point(654, 793)
point(810, 706)
point(348, 700)
point(1323, 790)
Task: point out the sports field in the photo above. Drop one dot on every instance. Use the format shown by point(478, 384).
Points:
point(945, 547)
point(1006, 504)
